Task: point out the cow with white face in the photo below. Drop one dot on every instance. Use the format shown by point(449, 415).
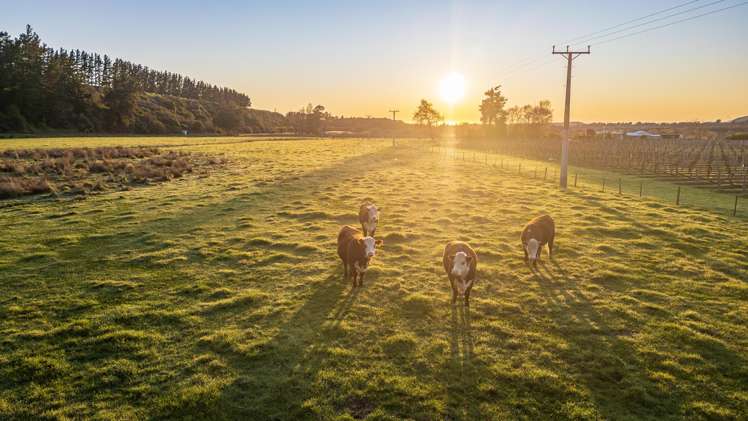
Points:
point(460, 263)
point(537, 233)
point(356, 252)
point(368, 216)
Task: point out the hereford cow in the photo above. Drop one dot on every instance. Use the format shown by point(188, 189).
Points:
point(368, 216)
point(356, 252)
point(537, 233)
point(460, 262)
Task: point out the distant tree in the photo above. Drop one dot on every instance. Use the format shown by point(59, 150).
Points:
point(492, 107)
point(44, 88)
point(426, 114)
point(541, 114)
point(308, 120)
point(120, 100)
point(525, 114)
point(513, 115)
point(228, 118)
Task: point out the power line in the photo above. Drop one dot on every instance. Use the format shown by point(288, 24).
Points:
point(629, 21)
point(671, 23)
point(538, 62)
point(532, 61)
point(587, 40)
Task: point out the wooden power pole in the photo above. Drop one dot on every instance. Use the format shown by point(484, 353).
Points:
point(569, 56)
point(394, 112)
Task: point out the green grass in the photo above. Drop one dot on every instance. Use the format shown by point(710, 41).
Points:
point(589, 179)
point(221, 297)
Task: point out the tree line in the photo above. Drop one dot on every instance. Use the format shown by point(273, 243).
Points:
point(42, 87)
point(497, 120)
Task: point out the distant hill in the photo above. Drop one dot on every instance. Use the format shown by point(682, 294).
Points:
point(44, 90)
point(166, 114)
point(741, 120)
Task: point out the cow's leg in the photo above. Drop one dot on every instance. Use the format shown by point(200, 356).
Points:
point(550, 248)
point(345, 271)
point(454, 290)
point(361, 279)
point(373, 231)
point(354, 274)
point(467, 296)
point(527, 258)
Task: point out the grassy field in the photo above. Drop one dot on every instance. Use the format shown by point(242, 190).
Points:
point(589, 179)
point(221, 297)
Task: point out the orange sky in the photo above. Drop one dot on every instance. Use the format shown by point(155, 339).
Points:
point(364, 58)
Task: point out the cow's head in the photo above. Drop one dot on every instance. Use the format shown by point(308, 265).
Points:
point(532, 249)
point(373, 214)
point(461, 262)
point(369, 245)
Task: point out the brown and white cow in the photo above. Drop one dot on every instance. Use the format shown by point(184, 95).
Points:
point(537, 233)
point(368, 216)
point(356, 252)
point(460, 263)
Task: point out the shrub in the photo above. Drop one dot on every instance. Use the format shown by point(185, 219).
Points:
point(82, 170)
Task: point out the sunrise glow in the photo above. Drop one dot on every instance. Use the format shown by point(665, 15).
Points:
point(452, 88)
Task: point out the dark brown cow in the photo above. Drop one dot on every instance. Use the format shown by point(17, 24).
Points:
point(460, 262)
point(356, 252)
point(537, 233)
point(368, 216)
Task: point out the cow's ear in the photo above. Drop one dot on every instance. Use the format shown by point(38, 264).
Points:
point(378, 242)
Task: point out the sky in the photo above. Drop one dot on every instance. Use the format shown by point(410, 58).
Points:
point(363, 58)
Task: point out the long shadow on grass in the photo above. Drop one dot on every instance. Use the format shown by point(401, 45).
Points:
point(275, 381)
point(617, 378)
point(462, 375)
point(266, 198)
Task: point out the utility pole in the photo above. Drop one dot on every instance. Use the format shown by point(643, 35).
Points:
point(569, 56)
point(394, 112)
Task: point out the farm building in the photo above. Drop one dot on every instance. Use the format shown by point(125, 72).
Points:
point(641, 133)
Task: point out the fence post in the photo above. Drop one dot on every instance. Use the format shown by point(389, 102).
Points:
point(641, 188)
point(545, 177)
point(677, 197)
point(575, 179)
point(535, 173)
point(619, 186)
point(603, 185)
point(735, 208)
point(519, 168)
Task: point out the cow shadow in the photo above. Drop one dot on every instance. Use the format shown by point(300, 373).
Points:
point(461, 335)
point(607, 361)
point(273, 380)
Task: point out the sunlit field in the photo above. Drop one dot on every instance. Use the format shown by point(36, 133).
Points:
point(220, 295)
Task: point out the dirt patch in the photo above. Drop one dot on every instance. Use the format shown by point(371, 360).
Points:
point(81, 171)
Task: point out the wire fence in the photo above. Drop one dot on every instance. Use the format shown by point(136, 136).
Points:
point(586, 179)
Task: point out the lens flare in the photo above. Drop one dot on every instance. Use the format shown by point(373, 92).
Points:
point(452, 88)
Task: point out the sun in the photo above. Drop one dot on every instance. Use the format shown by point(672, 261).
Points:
point(452, 88)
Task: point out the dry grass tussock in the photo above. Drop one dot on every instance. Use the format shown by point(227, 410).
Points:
point(81, 171)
